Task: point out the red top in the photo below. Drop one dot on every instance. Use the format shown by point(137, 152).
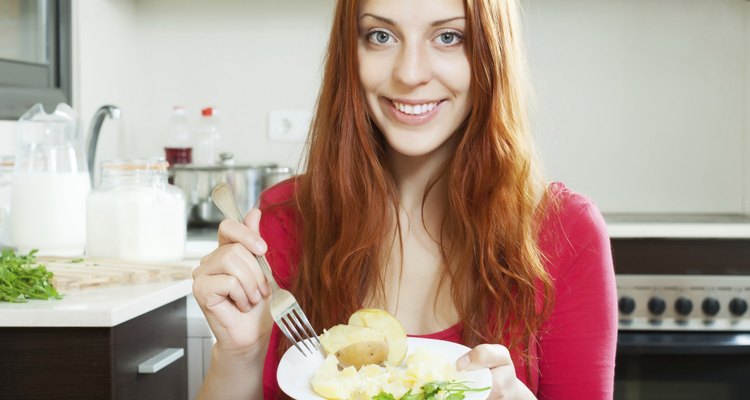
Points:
point(575, 353)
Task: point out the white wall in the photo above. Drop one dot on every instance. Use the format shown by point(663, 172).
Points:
point(641, 104)
point(244, 57)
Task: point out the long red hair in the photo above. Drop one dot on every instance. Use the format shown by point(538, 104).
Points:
point(347, 191)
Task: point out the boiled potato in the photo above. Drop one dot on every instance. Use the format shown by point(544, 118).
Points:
point(363, 353)
point(387, 324)
point(340, 336)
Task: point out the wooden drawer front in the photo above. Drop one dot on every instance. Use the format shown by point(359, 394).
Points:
point(55, 363)
point(138, 340)
point(95, 363)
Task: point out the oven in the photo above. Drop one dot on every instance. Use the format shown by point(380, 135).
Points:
point(684, 324)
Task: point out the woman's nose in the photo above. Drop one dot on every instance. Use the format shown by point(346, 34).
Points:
point(412, 66)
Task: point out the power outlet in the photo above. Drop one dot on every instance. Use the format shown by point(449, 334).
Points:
point(288, 125)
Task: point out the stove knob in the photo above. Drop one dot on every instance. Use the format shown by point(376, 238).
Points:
point(626, 305)
point(683, 305)
point(657, 305)
point(711, 306)
point(738, 306)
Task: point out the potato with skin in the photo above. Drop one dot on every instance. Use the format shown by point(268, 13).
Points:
point(363, 353)
point(382, 321)
point(340, 336)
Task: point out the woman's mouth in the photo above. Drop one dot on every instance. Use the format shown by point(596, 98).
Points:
point(412, 112)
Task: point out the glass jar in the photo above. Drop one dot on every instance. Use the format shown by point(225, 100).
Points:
point(50, 183)
point(135, 215)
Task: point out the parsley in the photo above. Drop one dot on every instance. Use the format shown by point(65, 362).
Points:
point(20, 280)
point(440, 390)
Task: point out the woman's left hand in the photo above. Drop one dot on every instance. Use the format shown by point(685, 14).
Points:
point(505, 384)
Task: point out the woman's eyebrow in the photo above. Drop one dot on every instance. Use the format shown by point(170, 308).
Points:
point(391, 22)
point(379, 18)
point(445, 21)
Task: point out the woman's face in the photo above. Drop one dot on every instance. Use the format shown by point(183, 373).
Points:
point(414, 70)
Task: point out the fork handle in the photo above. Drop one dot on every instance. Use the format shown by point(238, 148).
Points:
point(223, 196)
point(266, 269)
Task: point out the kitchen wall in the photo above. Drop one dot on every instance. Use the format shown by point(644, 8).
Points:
point(244, 57)
point(642, 105)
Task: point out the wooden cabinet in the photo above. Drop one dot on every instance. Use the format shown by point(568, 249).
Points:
point(96, 363)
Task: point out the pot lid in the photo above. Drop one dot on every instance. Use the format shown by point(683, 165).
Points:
point(226, 162)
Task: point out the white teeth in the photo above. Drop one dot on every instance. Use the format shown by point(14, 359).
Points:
point(415, 109)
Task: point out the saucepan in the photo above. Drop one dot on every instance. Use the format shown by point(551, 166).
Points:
point(247, 182)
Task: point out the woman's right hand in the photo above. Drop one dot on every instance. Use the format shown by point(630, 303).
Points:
point(230, 287)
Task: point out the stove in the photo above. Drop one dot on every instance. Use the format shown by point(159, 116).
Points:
point(683, 285)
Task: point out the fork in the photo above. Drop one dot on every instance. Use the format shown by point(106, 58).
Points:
point(285, 309)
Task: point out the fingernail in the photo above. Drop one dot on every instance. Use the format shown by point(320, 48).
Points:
point(462, 363)
point(260, 246)
point(255, 297)
point(265, 288)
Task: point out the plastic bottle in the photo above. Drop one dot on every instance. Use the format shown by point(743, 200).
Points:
point(208, 141)
point(179, 146)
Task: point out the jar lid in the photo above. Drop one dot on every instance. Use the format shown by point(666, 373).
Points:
point(155, 164)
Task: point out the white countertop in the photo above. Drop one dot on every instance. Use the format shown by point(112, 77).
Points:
point(689, 226)
point(104, 307)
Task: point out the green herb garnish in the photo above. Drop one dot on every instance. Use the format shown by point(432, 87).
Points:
point(21, 280)
point(441, 390)
point(76, 260)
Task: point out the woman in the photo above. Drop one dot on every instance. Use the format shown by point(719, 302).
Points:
point(421, 197)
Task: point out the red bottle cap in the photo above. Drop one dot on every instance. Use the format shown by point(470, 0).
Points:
point(207, 112)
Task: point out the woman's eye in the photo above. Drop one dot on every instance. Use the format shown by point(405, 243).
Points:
point(450, 38)
point(380, 37)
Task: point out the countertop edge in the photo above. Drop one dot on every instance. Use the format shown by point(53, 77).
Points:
point(115, 306)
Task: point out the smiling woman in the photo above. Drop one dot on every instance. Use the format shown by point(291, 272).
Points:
point(422, 197)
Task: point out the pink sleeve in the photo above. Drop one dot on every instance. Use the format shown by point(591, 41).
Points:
point(578, 343)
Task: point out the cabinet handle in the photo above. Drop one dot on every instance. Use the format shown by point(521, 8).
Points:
point(161, 360)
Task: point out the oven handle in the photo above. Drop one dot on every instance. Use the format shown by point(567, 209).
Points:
point(655, 342)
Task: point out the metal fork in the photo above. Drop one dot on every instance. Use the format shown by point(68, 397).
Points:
point(284, 307)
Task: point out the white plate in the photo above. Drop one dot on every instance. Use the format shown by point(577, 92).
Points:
point(295, 370)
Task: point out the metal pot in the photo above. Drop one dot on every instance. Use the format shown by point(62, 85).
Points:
point(197, 181)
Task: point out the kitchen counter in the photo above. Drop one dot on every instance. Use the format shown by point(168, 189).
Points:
point(706, 226)
point(108, 306)
point(105, 307)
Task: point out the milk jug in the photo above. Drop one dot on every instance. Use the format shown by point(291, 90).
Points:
point(50, 183)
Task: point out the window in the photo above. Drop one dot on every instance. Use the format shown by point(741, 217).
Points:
point(35, 54)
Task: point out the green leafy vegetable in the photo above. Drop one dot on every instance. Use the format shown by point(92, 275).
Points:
point(21, 280)
point(384, 396)
point(441, 390)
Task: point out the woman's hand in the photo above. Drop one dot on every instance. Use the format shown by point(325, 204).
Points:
point(505, 384)
point(230, 287)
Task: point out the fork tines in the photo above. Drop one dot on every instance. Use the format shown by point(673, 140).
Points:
point(297, 329)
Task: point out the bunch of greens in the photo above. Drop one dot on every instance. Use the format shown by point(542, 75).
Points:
point(21, 280)
point(435, 391)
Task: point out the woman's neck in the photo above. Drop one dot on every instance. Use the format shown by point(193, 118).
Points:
point(413, 175)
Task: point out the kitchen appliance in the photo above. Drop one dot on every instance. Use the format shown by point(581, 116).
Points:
point(247, 182)
point(683, 285)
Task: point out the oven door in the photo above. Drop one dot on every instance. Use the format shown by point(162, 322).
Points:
point(682, 365)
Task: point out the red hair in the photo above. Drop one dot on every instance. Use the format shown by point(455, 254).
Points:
point(347, 191)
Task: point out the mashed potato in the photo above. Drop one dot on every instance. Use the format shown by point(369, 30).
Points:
point(421, 367)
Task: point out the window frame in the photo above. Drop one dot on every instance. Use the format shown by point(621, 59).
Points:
point(23, 84)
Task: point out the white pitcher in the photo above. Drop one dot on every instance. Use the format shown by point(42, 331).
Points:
point(50, 183)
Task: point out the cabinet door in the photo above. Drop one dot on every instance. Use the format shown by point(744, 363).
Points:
point(139, 340)
point(96, 363)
